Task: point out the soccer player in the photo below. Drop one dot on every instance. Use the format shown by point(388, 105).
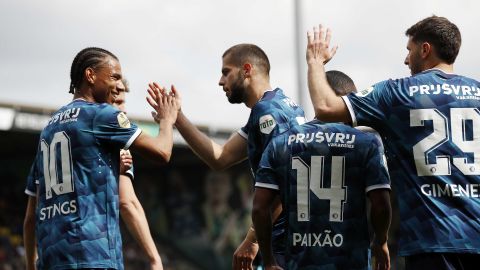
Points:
point(314, 175)
point(245, 79)
point(131, 209)
point(77, 166)
point(429, 123)
point(340, 82)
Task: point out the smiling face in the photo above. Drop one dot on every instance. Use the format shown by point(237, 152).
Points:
point(107, 81)
point(232, 81)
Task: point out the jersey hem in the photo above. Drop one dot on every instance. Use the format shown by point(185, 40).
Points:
point(380, 186)
point(438, 250)
point(30, 193)
point(134, 136)
point(243, 134)
point(265, 185)
point(84, 266)
point(350, 110)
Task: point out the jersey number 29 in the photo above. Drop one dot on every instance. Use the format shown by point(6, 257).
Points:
point(440, 135)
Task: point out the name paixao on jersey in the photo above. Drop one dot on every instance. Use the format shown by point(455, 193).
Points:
point(325, 239)
point(333, 139)
point(461, 91)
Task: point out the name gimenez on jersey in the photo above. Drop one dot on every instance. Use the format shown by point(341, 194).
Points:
point(451, 190)
point(61, 208)
point(333, 139)
point(70, 115)
point(461, 91)
point(325, 239)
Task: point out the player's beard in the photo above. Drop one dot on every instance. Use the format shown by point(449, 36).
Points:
point(237, 91)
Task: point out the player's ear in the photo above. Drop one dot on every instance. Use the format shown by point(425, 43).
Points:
point(426, 49)
point(90, 75)
point(247, 69)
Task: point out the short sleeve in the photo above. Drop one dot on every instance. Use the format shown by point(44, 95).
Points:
point(371, 106)
point(32, 181)
point(268, 122)
point(376, 173)
point(113, 127)
point(266, 176)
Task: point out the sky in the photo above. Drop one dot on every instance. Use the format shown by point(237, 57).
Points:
point(180, 42)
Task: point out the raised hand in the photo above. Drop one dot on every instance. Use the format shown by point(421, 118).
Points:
point(165, 105)
point(318, 45)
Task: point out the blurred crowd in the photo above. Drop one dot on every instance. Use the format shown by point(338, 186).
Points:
point(197, 218)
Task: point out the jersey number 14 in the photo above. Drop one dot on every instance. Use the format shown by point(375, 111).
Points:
point(310, 178)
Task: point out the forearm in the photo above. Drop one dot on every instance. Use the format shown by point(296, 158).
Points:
point(134, 217)
point(165, 138)
point(380, 216)
point(251, 236)
point(29, 243)
point(204, 147)
point(29, 234)
point(262, 221)
point(325, 103)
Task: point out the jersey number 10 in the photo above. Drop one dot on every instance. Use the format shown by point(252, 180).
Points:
point(310, 178)
point(50, 169)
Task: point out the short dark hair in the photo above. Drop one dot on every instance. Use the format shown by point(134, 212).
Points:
point(341, 83)
point(91, 57)
point(242, 53)
point(441, 33)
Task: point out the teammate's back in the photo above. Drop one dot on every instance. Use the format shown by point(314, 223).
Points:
point(323, 172)
point(77, 214)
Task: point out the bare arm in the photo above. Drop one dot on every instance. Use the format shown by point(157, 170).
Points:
point(134, 217)
point(248, 249)
point(262, 220)
point(380, 216)
point(29, 233)
point(327, 106)
point(216, 156)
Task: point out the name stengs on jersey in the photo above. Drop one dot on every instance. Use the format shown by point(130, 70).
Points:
point(333, 139)
point(70, 115)
point(460, 91)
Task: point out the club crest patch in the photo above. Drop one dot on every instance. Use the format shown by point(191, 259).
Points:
point(123, 120)
point(267, 124)
point(364, 92)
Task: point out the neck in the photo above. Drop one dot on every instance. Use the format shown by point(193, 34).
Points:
point(83, 94)
point(444, 67)
point(257, 89)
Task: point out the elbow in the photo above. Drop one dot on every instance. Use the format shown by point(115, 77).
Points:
point(162, 156)
point(323, 112)
point(28, 222)
point(127, 207)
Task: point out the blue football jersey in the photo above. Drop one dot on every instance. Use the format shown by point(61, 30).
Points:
point(430, 123)
point(273, 114)
point(32, 181)
point(322, 173)
point(77, 167)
